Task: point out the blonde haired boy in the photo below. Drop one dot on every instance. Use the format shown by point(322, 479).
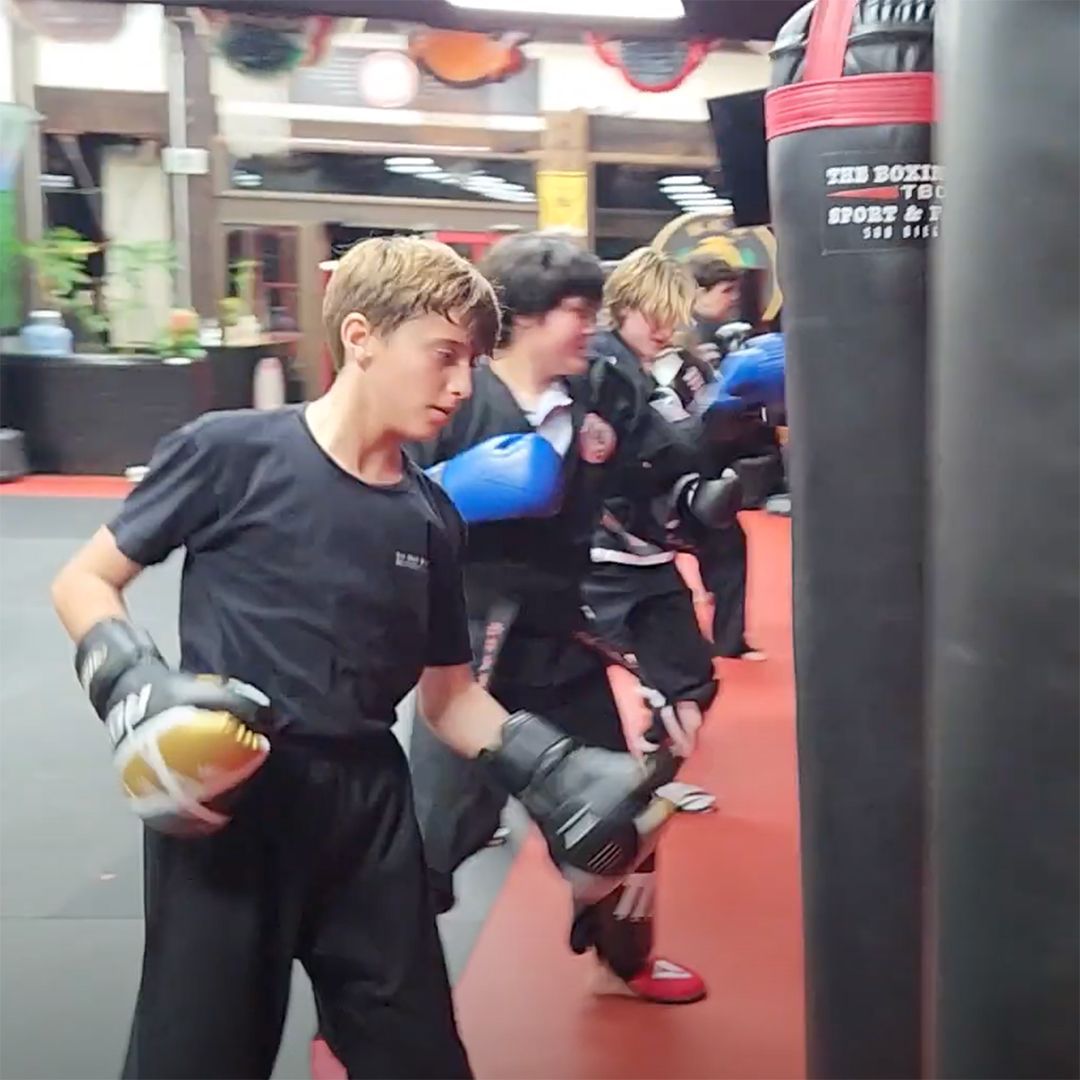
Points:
point(634, 588)
point(649, 296)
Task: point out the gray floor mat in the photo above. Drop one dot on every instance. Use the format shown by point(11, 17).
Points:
point(70, 869)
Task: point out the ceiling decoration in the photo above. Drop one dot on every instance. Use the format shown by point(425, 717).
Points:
point(651, 65)
point(465, 58)
point(266, 45)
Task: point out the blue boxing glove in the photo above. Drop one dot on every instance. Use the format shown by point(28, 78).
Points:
point(755, 373)
point(508, 476)
point(750, 377)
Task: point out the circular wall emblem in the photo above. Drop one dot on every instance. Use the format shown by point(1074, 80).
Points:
point(596, 440)
point(387, 79)
point(749, 248)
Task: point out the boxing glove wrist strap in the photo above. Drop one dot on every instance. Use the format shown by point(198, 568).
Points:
point(109, 649)
point(529, 748)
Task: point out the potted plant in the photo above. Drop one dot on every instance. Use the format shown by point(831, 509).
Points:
point(137, 376)
point(180, 337)
point(59, 260)
point(239, 322)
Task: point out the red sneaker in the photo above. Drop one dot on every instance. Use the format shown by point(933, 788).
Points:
point(324, 1066)
point(660, 981)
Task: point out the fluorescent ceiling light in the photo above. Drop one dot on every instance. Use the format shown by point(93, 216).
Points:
point(430, 171)
point(658, 10)
point(689, 189)
point(410, 161)
point(669, 180)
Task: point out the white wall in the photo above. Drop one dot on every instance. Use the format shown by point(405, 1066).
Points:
point(133, 60)
point(574, 77)
point(135, 197)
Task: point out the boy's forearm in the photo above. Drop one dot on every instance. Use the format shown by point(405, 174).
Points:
point(468, 720)
point(90, 587)
point(81, 600)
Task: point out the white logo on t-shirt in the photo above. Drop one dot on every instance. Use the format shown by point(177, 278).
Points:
point(409, 561)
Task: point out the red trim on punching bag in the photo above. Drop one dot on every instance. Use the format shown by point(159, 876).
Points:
point(826, 99)
point(859, 100)
point(830, 25)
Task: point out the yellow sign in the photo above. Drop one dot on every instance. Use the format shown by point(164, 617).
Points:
point(563, 201)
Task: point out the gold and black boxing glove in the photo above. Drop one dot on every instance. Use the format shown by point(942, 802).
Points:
point(181, 743)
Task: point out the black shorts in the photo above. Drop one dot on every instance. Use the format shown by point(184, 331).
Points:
point(648, 611)
point(322, 863)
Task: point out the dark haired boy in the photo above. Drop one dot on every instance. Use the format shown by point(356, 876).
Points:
point(523, 577)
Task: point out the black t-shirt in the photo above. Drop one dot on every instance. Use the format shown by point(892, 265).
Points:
point(329, 594)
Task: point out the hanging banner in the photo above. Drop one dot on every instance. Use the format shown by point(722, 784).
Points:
point(463, 58)
point(652, 66)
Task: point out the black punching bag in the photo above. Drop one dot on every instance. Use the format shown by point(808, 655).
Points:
point(856, 197)
point(1004, 707)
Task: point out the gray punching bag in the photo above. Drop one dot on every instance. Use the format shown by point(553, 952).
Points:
point(1004, 709)
point(856, 198)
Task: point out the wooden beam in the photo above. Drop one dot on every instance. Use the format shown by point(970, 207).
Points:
point(661, 139)
point(311, 249)
point(270, 208)
point(201, 119)
point(497, 143)
point(136, 113)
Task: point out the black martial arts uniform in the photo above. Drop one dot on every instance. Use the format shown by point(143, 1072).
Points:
point(750, 447)
point(634, 587)
point(331, 596)
point(522, 583)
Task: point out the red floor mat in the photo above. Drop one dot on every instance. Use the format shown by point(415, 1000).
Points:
point(729, 905)
point(69, 487)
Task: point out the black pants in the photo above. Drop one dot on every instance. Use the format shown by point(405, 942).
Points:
point(722, 563)
point(459, 810)
point(322, 863)
point(649, 611)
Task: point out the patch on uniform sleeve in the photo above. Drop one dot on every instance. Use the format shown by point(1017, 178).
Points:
point(596, 440)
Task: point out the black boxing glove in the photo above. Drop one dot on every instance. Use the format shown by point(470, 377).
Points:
point(712, 504)
point(596, 808)
point(181, 743)
point(695, 506)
